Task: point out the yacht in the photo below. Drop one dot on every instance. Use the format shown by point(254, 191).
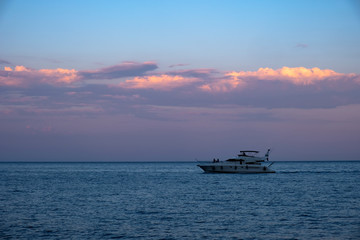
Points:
point(245, 162)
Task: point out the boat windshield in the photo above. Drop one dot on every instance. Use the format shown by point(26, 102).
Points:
point(248, 153)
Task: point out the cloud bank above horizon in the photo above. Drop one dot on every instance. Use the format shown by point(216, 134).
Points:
point(149, 83)
point(142, 76)
point(134, 100)
point(140, 90)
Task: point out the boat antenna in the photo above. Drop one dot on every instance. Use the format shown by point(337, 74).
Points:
point(267, 155)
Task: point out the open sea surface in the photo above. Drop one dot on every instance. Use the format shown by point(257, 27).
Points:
point(303, 200)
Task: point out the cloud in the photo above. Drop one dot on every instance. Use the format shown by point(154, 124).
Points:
point(178, 65)
point(61, 75)
point(208, 80)
point(21, 76)
point(301, 45)
point(298, 76)
point(172, 79)
point(161, 82)
point(123, 97)
point(126, 69)
point(4, 62)
point(203, 73)
point(224, 84)
point(266, 87)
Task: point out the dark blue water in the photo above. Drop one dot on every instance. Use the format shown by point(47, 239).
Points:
point(303, 200)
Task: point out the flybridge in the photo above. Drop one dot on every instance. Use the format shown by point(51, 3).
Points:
point(248, 153)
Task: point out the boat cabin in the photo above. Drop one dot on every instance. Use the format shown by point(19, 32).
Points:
point(236, 160)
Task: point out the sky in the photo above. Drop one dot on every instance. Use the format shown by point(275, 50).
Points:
point(179, 80)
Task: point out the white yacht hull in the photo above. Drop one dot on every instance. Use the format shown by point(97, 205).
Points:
point(220, 167)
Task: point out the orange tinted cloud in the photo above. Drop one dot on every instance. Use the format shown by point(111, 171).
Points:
point(208, 80)
point(61, 75)
point(22, 76)
point(223, 85)
point(297, 75)
point(21, 69)
point(161, 82)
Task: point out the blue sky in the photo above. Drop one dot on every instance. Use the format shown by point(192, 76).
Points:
point(161, 80)
point(217, 34)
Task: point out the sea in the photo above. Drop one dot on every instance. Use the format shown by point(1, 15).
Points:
point(176, 200)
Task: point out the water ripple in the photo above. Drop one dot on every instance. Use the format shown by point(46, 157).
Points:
point(176, 201)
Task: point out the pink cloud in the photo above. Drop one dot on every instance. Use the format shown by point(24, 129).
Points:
point(297, 76)
point(22, 76)
point(61, 75)
point(123, 97)
point(162, 82)
point(223, 84)
point(72, 93)
point(204, 80)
